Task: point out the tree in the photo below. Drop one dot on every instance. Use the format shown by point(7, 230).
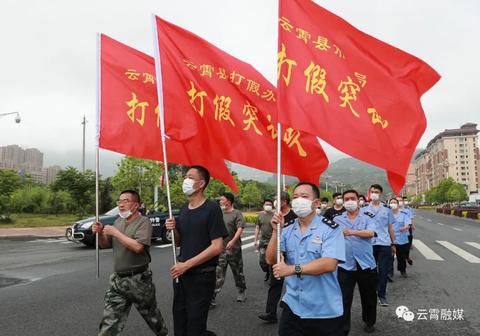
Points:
point(138, 174)
point(250, 195)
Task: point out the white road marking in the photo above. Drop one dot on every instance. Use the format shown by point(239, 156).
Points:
point(426, 251)
point(428, 219)
point(248, 237)
point(441, 224)
point(457, 229)
point(163, 246)
point(460, 252)
point(476, 245)
point(245, 246)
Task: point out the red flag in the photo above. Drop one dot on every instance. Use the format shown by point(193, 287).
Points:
point(129, 120)
point(359, 94)
point(210, 94)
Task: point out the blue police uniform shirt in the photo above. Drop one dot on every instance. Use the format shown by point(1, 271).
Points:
point(402, 218)
point(409, 210)
point(313, 296)
point(383, 216)
point(357, 250)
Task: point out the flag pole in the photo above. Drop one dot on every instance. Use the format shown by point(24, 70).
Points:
point(158, 73)
point(279, 192)
point(97, 153)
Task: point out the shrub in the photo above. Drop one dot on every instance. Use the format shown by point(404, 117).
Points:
point(251, 218)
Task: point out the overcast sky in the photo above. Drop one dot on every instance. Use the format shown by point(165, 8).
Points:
point(48, 54)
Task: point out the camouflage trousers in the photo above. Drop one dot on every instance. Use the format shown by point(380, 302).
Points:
point(123, 292)
point(234, 259)
point(262, 258)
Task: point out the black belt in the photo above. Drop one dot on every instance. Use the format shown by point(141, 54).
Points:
point(202, 270)
point(132, 272)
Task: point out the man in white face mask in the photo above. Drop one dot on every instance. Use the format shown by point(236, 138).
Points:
point(360, 267)
point(384, 243)
point(130, 236)
point(337, 208)
point(312, 247)
point(199, 233)
point(263, 232)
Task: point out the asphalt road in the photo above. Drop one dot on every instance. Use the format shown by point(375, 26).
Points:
point(48, 287)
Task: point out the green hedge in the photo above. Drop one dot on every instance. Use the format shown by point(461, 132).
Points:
point(251, 218)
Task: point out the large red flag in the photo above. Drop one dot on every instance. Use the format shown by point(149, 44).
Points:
point(129, 120)
point(359, 94)
point(211, 95)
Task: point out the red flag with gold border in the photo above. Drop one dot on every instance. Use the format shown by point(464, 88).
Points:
point(354, 91)
point(227, 103)
point(128, 115)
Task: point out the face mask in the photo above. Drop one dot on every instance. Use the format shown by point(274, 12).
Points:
point(400, 204)
point(351, 206)
point(406, 203)
point(125, 214)
point(361, 202)
point(339, 201)
point(323, 205)
point(394, 206)
point(187, 186)
point(267, 208)
point(223, 207)
point(302, 207)
point(375, 196)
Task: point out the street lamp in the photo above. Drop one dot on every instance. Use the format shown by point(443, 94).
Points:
point(17, 118)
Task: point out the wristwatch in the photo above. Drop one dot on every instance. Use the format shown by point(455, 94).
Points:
point(298, 270)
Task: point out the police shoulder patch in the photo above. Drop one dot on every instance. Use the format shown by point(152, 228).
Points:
point(369, 214)
point(330, 223)
point(404, 212)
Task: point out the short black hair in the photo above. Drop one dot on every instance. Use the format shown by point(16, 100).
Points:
point(204, 174)
point(392, 199)
point(362, 196)
point(405, 197)
point(315, 189)
point(324, 199)
point(267, 200)
point(350, 191)
point(377, 186)
point(229, 196)
point(284, 196)
point(132, 192)
point(335, 194)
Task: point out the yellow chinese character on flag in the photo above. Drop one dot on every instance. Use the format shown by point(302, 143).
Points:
point(134, 104)
point(377, 118)
point(251, 113)
point(316, 80)
point(321, 43)
point(349, 91)
point(268, 95)
point(236, 78)
point(285, 24)
point(282, 59)
point(206, 70)
point(194, 95)
point(271, 128)
point(291, 138)
point(303, 35)
point(190, 64)
point(222, 73)
point(222, 108)
point(362, 79)
point(148, 78)
point(338, 52)
point(253, 87)
point(132, 74)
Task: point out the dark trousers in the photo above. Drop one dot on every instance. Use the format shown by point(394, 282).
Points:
point(402, 256)
point(274, 293)
point(383, 257)
point(293, 325)
point(410, 240)
point(367, 285)
point(191, 301)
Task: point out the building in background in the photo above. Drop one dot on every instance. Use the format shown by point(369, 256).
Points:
point(452, 153)
point(27, 161)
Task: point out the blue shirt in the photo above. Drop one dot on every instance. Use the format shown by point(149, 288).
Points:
point(383, 217)
point(357, 249)
point(313, 296)
point(402, 218)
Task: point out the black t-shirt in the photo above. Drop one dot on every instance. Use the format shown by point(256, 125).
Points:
point(331, 213)
point(289, 218)
point(197, 228)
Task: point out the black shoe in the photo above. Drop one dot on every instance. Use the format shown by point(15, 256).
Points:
point(208, 333)
point(369, 328)
point(404, 274)
point(268, 317)
point(410, 261)
point(389, 278)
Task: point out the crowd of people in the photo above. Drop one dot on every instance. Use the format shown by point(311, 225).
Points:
point(324, 253)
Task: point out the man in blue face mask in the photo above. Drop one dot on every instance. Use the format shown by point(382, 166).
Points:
point(199, 233)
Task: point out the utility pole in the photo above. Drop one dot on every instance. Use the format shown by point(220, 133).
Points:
point(84, 122)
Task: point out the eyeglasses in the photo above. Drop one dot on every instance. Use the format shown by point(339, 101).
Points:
point(124, 201)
